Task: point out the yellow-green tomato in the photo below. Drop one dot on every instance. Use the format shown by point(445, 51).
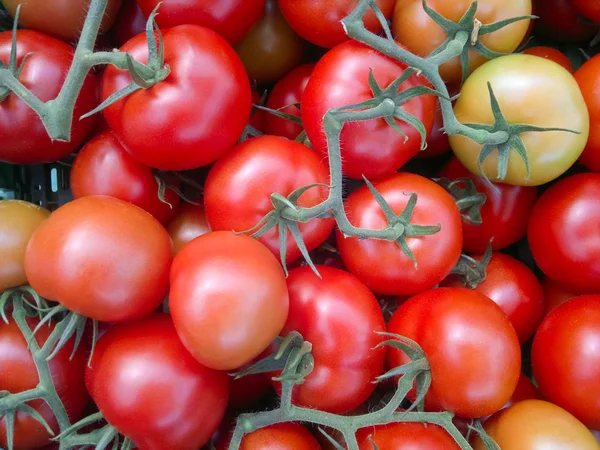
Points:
point(530, 90)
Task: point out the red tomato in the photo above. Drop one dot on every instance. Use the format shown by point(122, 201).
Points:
point(101, 257)
point(246, 391)
point(130, 23)
point(281, 436)
point(238, 189)
point(371, 148)
point(232, 19)
point(150, 388)
point(189, 223)
point(339, 316)
point(560, 21)
point(382, 265)
point(23, 136)
point(554, 294)
point(218, 272)
point(588, 78)
point(195, 115)
point(525, 390)
point(505, 213)
point(258, 119)
point(563, 234)
point(566, 361)
point(552, 54)
point(405, 436)
point(589, 8)
point(471, 346)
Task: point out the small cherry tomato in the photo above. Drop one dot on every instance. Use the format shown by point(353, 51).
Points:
point(405, 435)
point(552, 54)
point(560, 21)
point(189, 223)
point(281, 436)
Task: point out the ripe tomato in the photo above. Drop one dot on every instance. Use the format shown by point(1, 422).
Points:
point(382, 265)
point(588, 78)
point(552, 54)
point(258, 119)
point(103, 167)
point(437, 141)
point(281, 436)
point(340, 317)
point(195, 115)
point(371, 148)
point(521, 84)
point(560, 21)
point(189, 223)
point(534, 425)
point(20, 374)
point(101, 257)
point(246, 391)
point(563, 235)
point(554, 294)
point(218, 272)
point(150, 388)
point(284, 97)
point(320, 22)
point(414, 29)
point(23, 136)
point(409, 436)
point(589, 8)
point(130, 23)
point(238, 189)
point(565, 359)
point(471, 346)
point(18, 221)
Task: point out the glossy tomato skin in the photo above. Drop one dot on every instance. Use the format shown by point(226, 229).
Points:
point(340, 317)
point(371, 148)
point(400, 436)
point(566, 364)
point(555, 294)
point(588, 78)
point(207, 91)
point(101, 257)
point(130, 23)
point(20, 374)
point(237, 193)
point(221, 271)
point(521, 83)
point(471, 346)
point(281, 436)
point(189, 223)
point(552, 54)
point(560, 21)
point(589, 8)
point(563, 235)
point(382, 265)
point(103, 167)
point(23, 136)
point(152, 390)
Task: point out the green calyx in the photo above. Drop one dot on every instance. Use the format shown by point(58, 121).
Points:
point(14, 69)
point(102, 438)
point(468, 200)
point(470, 271)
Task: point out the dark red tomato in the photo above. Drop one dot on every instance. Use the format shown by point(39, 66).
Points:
point(505, 212)
point(195, 115)
point(189, 223)
point(470, 344)
point(320, 22)
point(555, 294)
point(560, 21)
point(246, 391)
point(103, 167)
point(405, 436)
point(382, 265)
point(340, 317)
point(101, 257)
point(238, 189)
point(258, 119)
point(552, 54)
point(23, 136)
point(566, 361)
point(284, 97)
point(588, 78)
point(19, 374)
point(281, 436)
point(563, 232)
point(151, 389)
point(130, 23)
point(232, 19)
point(589, 8)
point(371, 148)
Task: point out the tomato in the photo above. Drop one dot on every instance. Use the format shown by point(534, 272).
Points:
point(563, 235)
point(130, 23)
point(414, 29)
point(195, 115)
point(101, 257)
point(284, 97)
point(150, 388)
point(405, 436)
point(20, 374)
point(246, 391)
point(340, 317)
point(382, 265)
point(371, 148)
point(552, 54)
point(258, 119)
point(281, 436)
point(23, 136)
point(238, 189)
point(589, 8)
point(62, 19)
point(437, 141)
point(565, 359)
point(18, 221)
point(221, 271)
point(189, 223)
point(588, 78)
point(536, 425)
point(103, 167)
point(521, 84)
point(471, 346)
point(555, 294)
point(560, 21)
point(320, 22)
point(525, 390)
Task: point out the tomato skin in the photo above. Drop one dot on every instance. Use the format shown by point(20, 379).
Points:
point(552, 54)
point(189, 223)
point(281, 436)
point(340, 317)
point(130, 23)
point(589, 8)
point(258, 119)
point(560, 21)
point(238, 189)
point(246, 391)
point(371, 148)
point(563, 236)
point(152, 390)
point(23, 136)
point(471, 346)
point(101, 257)
point(405, 436)
point(154, 124)
point(555, 294)
point(565, 364)
point(382, 265)
point(588, 78)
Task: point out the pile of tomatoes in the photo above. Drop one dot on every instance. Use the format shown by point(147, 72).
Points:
point(167, 182)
